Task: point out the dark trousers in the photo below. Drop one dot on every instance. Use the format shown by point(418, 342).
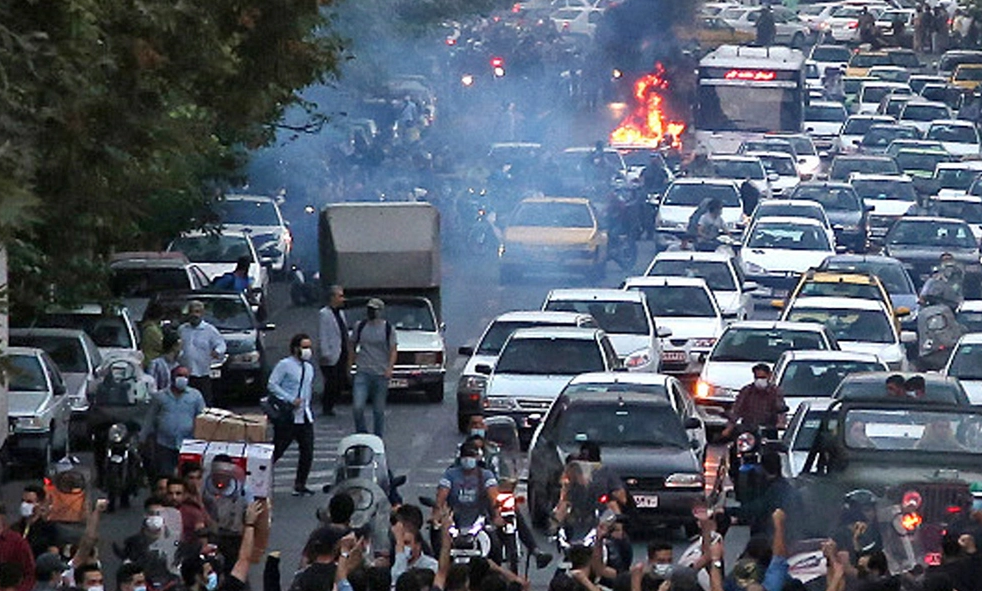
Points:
point(335, 380)
point(286, 433)
point(203, 385)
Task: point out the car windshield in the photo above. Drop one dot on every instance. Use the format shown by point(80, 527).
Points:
point(931, 233)
point(106, 331)
point(945, 132)
point(678, 301)
point(956, 178)
point(788, 236)
point(145, 282)
point(763, 345)
point(843, 167)
point(825, 113)
point(771, 209)
point(67, 352)
point(868, 60)
point(882, 136)
point(883, 189)
point(908, 160)
point(554, 214)
point(974, 74)
point(738, 169)
point(617, 425)
point(842, 198)
point(546, 356)
point(892, 275)
point(844, 289)
point(867, 326)
point(25, 374)
point(617, 317)
point(803, 146)
point(905, 59)
point(778, 165)
point(966, 362)
point(212, 248)
point(860, 125)
point(246, 212)
point(969, 211)
point(402, 314)
point(692, 194)
point(717, 274)
point(830, 53)
point(913, 431)
point(767, 145)
point(819, 379)
point(494, 339)
point(224, 313)
point(916, 112)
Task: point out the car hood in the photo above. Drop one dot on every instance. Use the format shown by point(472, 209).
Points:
point(891, 207)
point(933, 253)
point(27, 404)
point(419, 340)
point(527, 386)
point(549, 236)
point(728, 374)
point(780, 259)
point(888, 352)
point(728, 301)
point(625, 344)
point(823, 128)
point(689, 328)
point(960, 149)
point(682, 213)
point(239, 341)
point(649, 461)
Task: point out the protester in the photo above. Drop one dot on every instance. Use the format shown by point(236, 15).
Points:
point(15, 550)
point(202, 345)
point(374, 343)
point(41, 534)
point(171, 420)
point(332, 341)
point(291, 380)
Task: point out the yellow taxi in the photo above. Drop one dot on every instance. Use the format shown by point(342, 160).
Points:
point(861, 62)
point(553, 234)
point(967, 76)
point(864, 286)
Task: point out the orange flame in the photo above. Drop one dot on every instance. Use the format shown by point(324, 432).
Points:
point(647, 124)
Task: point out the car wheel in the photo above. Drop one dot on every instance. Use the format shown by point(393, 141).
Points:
point(798, 41)
point(434, 392)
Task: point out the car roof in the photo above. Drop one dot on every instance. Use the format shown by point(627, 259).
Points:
point(865, 176)
point(255, 198)
point(826, 104)
point(789, 203)
point(621, 377)
point(776, 325)
point(23, 351)
point(930, 219)
point(167, 258)
point(66, 333)
point(593, 398)
point(961, 164)
point(599, 295)
point(824, 355)
point(577, 200)
point(826, 184)
point(559, 332)
point(862, 258)
point(957, 198)
point(664, 281)
point(972, 338)
point(835, 276)
point(550, 317)
point(87, 310)
point(704, 181)
point(733, 158)
point(837, 303)
point(970, 306)
point(770, 154)
point(955, 122)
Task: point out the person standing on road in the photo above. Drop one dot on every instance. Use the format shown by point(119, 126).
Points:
point(152, 337)
point(333, 344)
point(161, 367)
point(291, 380)
point(201, 345)
point(374, 343)
point(171, 418)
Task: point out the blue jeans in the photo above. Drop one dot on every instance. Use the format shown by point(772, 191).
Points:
point(369, 386)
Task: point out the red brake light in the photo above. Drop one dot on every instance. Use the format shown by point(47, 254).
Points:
point(853, 25)
point(604, 499)
point(953, 509)
point(497, 62)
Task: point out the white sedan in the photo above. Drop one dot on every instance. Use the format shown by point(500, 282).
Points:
point(722, 274)
point(776, 250)
point(958, 137)
point(965, 363)
point(782, 171)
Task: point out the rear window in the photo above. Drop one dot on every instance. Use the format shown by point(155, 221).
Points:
point(144, 283)
point(678, 301)
point(613, 317)
point(106, 331)
point(915, 112)
point(25, 374)
point(843, 167)
point(819, 379)
point(716, 274)
point(550, 356)
point(830, 53)
point(825, 114)
point(753, 345)
point(66, 352)
point(687, 194)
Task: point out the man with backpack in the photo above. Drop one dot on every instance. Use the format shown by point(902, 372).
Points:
point(374, 342)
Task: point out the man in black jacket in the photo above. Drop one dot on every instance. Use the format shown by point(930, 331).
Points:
point(322, 550)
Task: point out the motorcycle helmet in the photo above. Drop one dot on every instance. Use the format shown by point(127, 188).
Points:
point(859, 499)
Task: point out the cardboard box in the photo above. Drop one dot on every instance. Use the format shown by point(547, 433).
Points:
point(216, 424)
point(259, 470)
point(255, 459)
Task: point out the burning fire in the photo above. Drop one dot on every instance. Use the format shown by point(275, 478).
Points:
point(647, 123)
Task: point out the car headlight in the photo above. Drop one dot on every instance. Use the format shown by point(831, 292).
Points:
point(429, 358)
point(118, 433)
point(247, 357)
point(704, 343)
point(684, 481)
point(703, 389)
point(500, 403)
point(469, 383)
point(754, 268)
point(32, 423)
point(638, 358)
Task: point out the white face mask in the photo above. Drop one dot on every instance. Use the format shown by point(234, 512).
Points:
point(181, 383)
point(154, 522)
point(26, 509)
point(761, 383)
point(468, 463)
point(212, 582)
point(140, 588)
point(407, 552)
point(306, 353)
point(96, 588)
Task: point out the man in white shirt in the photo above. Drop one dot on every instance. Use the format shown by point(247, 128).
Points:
point(291, 381)
point(201, 344)
point(332, 341)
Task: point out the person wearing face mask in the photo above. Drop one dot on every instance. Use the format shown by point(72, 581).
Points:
point(201, 345)
point(375, 343)
point(467, 490)
point(130, 577)
point(291, 381)
point(409, 550)
point(41, 534)
point(759, 403)
point(199, 574)
point(89, 578)
point(138, 548)
point(171, 419)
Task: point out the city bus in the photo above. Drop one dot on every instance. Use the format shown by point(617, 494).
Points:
point(745, 92)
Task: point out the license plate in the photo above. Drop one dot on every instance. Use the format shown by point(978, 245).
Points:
point(646, 501)
point(674, 356)
point(398, 383)
point(215, 373)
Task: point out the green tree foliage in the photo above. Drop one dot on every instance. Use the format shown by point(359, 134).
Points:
point(120, 118)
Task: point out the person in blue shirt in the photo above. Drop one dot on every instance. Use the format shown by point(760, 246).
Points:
point(291, 381)
point(171, 419)
point(237, 280)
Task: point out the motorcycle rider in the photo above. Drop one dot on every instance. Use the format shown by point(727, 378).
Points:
point(945, 284)
point(710, 227)
point(468, 490)
point(759, 403)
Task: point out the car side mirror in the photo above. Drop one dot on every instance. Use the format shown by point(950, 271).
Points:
point(664, 332)
point(465, 351)
point(908, 337)
point(60, 390)
point(483, 369)
point(692, 423)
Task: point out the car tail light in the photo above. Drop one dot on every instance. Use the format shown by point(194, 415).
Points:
point(911, 501)
point(953, 509)
point(853, 25)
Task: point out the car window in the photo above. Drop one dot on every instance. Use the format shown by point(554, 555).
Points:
point(770, 209)
point(716, 274)
point(247, 212)
point(787, 236)
point(945, 132)
point(779, 166)
point(553, 215)
point(25, 374)
point(690, 194)
point(956, 178)
point(966, 362)
point(610, 353)
point(614, 425)
point(67, 352)
point(844, 289)
point(737, 169)
point(882, 189)
point(908, 160)
point(225, 313)
point(550, 356)
point(144, 283)
point(892, 275)
point(915, 112)
point(678, 301)
point(825, 114)
point(752, 345)
point(806, 432)
point(868, 326)
point(212, 248)
point(818, 379)
point(913, 431)
point(499, 331)
point(52, 370)
point(572, 390)
point(410, 315)
point(843, 167)
point(968, 211)
point(832, 198)
point(614, 317)
point(931, 233)
point(106, 331)
point(831, 53)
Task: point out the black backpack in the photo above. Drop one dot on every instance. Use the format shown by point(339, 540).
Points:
point(361, 325)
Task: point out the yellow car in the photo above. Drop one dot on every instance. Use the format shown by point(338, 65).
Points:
point(861, 61)
point(967, 76)
point(553, 234)
point(864, 286)
point(710, 32)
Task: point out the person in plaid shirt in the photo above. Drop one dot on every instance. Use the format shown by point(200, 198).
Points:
point(759, 403)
